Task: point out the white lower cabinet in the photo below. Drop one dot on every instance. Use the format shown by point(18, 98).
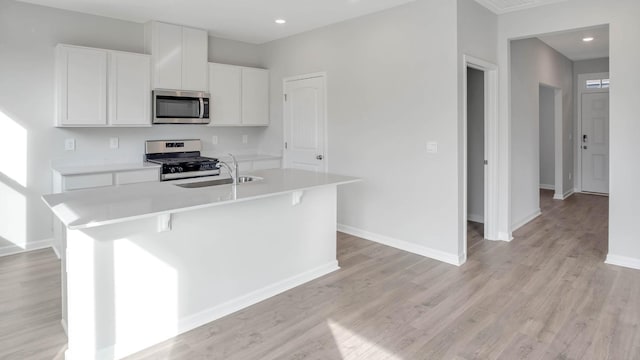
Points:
point(64, 183)
point(253, 165)
point(138, 176)
point(102, 88)
point(77, 182)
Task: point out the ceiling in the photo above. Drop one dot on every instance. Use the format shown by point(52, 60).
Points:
point(570, 44)
point(505, 6)
point(243, 20)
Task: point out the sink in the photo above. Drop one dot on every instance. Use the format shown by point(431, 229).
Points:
point(199, 184)
point(246, 179)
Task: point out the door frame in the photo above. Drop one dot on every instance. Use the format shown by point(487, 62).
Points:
point(490, 71)
point(323, 75)
point(580, 89)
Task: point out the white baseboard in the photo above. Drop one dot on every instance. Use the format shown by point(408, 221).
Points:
point(475, 218)
point(623, 261)
point(526, 220)
point(503, 236)
point(564, 196)
point(29, 246)
point(547, 187)
point(206, 316)
point(446, 257)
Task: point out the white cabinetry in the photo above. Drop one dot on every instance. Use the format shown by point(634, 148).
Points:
point(259, 164)
point(129, 89)
point(68, 182)
point(255, 96)
point(239, 95)
point(97, 87)
point(81, 86)
point(179, 55)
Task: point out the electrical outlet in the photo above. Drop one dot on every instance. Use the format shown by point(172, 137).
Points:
point(214, 140)
point(432, 147)
point(114, 143)
point(70, 144)
point(245, 139)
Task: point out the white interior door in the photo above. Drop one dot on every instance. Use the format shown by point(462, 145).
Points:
point(595, 142)
point(304, 124)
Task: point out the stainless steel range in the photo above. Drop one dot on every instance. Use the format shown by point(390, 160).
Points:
point(180, 159)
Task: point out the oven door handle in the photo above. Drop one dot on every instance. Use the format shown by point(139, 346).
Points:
point(201, 108)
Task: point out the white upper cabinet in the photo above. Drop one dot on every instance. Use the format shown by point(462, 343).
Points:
point(239, 95)
point(194, 59)
point(166, 52)
point(226, 96)
point(255, 96)
point(129, 89)
point(97, 87)
point(179, 56)
point(81, 86)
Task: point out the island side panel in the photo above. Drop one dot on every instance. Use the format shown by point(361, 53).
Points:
point(145, 286)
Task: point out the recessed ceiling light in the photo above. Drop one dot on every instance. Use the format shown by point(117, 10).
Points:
point(281, 21)
point(587, 39)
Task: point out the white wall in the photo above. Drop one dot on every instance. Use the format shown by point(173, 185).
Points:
point(475, 145)
point(533, 63)
point(391, 88)
point(622, 17)
point(28, 34)
point(547, 137)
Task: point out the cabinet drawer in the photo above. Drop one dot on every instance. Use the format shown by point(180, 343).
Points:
point(138, 176)
point(76, 182)
point(266, 164)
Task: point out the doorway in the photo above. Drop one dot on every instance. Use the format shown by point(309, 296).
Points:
point(479, 189)
point(593, 127)
point(550, 133)
point(305, 132)
point(475, 157)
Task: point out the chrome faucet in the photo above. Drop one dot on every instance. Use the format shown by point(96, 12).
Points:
point(232, 172)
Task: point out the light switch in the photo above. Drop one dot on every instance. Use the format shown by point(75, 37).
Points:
point(70, 144)
point(432, 147)
point(114, 143)
point(214, 140)
point(245, 139)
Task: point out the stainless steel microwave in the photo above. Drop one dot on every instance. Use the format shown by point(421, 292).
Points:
point(180, 107)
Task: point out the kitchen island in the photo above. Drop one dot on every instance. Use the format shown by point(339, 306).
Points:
point(145, 262)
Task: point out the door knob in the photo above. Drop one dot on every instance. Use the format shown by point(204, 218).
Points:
point(319, 157)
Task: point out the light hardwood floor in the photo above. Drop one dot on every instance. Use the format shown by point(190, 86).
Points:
point(546, 295)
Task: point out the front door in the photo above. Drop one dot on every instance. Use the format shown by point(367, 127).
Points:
point(304, 123)
point(595, 142)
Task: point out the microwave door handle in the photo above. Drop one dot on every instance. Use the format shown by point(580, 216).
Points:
point(201, 108)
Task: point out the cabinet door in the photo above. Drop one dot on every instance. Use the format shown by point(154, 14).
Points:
point(167, 53)
point(137, 176)
point(194, 59)
point(224, 86)
point(255, 96)
point(129, 89)
point(76, 182)
point(82, 86)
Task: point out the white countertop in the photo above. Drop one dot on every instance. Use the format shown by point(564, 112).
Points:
point(80, 169)
point(102, 206)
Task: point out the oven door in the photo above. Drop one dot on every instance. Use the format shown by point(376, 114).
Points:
point(180, 107)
